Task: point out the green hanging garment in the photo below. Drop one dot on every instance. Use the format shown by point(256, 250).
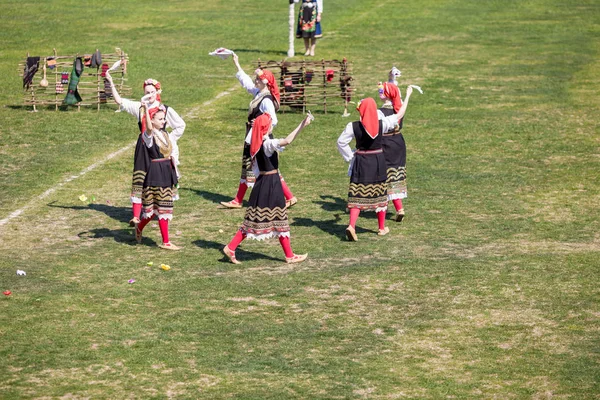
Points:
point(73, 96)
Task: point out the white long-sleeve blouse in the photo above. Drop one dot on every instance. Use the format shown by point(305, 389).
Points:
point(174, 122)
point(269, 146)
point(267, 105)
point(343, 142)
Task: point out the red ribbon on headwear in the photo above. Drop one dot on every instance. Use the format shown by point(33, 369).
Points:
point(154, 83)
point(268, 76)
point(391, 92)
point(368, 116)
point(260, 127)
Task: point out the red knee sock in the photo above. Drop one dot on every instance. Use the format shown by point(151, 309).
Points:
point(239, 197)
point(397, 204)
point(163, 224)
point(143, 223)
point(287, 246)
point(381, 219)
point(237, 239)
point(137, 209)
point(286, 190)
point(354, 216)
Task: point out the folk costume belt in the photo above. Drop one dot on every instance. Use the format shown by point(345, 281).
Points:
point(161, 159)
point(272, 172)
point(392, 134)
point(369, 151)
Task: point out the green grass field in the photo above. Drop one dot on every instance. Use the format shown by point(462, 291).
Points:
point(488, 290)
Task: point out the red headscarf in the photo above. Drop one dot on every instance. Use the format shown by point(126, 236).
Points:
point(368, 116)
point(391, 92)
point(260, 127)
point(154, 83)
point(269, 79)
point(152, 111)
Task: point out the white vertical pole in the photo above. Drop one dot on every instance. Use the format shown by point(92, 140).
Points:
point(290, 52)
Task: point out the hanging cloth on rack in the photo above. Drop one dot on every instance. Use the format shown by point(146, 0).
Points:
point(31, 67)
point(73, 96)
point(96, 59)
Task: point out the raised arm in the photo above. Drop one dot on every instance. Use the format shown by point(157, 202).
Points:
point(290, 138)
point(389, 123)
point(245, 80)
point(149, 127)
point(402, 110)
point(115, 94)
point(236, 62)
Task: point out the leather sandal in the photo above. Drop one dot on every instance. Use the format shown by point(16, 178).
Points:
point(400, 215)
point(169, 246)
point(384, 231)
point(231, 255)
point(297, 258)
point(351, 234)
point(231, 204)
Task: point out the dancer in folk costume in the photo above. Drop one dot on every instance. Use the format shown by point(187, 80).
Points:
point(266, 101)
point(152, 90)
point(266, 215)
point(309, 24)
point(156, 169)
point(394, 147)
point(368, 189)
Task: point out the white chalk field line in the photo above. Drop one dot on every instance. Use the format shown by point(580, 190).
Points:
point(97, 164)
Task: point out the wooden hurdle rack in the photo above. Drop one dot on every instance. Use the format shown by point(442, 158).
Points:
point(305, 84)
point(91, 85)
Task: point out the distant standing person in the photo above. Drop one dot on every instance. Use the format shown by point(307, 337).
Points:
point(309, 24)
point(173, 121)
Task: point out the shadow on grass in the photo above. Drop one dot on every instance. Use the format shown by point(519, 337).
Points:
point(119, 235)
point(336, 226)
point(121, 214)
point(216, 198)
point(262, 51)
point(29, 108)
point(339, 204)
point(241, 254)
point(333, 203)
point(330, 226)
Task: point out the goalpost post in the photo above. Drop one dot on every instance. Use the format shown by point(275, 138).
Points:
point(290, 52)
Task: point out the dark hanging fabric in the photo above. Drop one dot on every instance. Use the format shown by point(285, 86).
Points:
point(31, 67)
point(96, 59)
point(107, 89)
point(73, 96)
